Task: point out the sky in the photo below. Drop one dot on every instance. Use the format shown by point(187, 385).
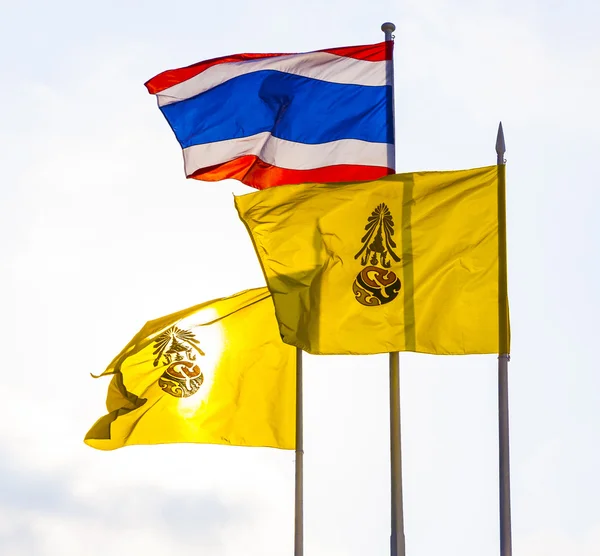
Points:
point(101, 232)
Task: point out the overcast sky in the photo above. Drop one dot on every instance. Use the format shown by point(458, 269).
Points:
point(100, 232)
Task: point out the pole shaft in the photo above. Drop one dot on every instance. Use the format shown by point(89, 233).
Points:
point(505, 517)
point(299, 490)
point(397, 538)
point(503, 357)
point(397, 544)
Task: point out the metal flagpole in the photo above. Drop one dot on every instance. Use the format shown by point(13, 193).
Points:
point(504, 356)
point(397, 538)
point(299, 500)
point(397, 545)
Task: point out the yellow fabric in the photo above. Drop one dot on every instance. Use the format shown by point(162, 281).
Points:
point(318, 246)
point(245, 394)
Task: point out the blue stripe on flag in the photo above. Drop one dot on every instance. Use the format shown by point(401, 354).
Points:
point(291, 107)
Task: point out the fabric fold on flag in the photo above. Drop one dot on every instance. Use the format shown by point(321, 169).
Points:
point(405, 263)
point(274, 119)
point(215, 373)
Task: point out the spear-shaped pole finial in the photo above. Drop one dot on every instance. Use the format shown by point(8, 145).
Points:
point(500, 145)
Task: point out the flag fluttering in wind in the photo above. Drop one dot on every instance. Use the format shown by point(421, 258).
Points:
point(215, 373)
point(405, 263)
point(274, 119)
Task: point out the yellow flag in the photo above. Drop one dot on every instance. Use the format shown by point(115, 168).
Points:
point(216, 373)
point(405, 263)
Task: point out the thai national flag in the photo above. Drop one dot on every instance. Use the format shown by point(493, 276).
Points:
point(274, 119)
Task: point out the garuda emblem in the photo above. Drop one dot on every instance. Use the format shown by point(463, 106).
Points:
point(178, 349)
point(376, 284)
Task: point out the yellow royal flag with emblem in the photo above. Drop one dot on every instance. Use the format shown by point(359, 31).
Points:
point(216, 373)
point(409, 262)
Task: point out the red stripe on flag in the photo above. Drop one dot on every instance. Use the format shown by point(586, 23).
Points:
point(254, 172)
point(370, 52)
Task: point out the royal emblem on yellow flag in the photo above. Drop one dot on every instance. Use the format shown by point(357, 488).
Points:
point(179, 348)
point(375, 284)
point(215, 373)
point(405, 263)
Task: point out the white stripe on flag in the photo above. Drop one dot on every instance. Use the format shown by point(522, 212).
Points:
point(316, 65)
point(287, 154)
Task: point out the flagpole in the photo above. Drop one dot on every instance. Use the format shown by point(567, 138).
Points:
point(397, 538)
point(397, 544)
point(298, 495)
point(504, 356)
